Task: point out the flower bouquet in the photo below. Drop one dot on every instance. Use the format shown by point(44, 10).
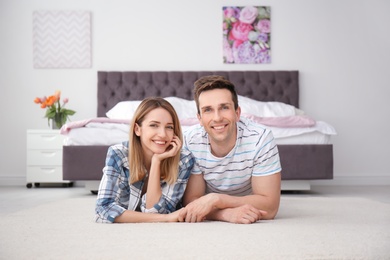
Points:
point(55, 112)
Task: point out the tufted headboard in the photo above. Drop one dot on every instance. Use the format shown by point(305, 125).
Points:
point(115, 86)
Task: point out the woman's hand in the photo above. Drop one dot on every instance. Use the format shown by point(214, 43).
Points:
point(154, 188)
point(174, 216)
point(173, 148)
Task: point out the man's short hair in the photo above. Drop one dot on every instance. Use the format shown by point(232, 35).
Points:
point(211, 82)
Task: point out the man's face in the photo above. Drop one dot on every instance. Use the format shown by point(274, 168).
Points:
point(218, 116)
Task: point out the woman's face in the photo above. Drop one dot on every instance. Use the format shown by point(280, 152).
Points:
point(156, 132)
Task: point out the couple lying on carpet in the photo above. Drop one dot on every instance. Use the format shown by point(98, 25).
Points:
point(228, 168)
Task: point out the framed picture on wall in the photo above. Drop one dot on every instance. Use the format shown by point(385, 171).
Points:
point(61, 39)
point(246, 34)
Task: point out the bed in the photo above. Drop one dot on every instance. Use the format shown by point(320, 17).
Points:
point(301, 160)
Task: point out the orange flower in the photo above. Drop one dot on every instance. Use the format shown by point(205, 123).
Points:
point(55, 110)
point(57, 94)
point(51, 100)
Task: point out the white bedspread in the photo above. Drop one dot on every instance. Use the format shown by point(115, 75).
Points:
point(105, 132)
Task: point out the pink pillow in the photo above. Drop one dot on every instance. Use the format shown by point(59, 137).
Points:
point(283, 121)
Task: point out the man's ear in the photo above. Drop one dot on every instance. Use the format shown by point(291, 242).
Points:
point(137, 130)
point(238, 113)
point(199, 119)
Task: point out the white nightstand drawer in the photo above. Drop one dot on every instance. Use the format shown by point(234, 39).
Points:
point(44, 141)
point(44, 157)
point(44, 174)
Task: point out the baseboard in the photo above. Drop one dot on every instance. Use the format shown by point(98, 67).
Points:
point(295, 185)
point(354, 181)
point(20, 180)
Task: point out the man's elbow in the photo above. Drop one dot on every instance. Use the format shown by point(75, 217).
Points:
point(271, 214)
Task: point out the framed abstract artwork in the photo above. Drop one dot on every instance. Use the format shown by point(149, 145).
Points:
point(246, 34)
point(62, 39)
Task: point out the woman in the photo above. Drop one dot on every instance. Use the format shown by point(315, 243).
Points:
point(148, 173)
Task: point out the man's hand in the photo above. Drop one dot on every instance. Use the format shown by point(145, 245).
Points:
point(197, 210)
point(245, 214)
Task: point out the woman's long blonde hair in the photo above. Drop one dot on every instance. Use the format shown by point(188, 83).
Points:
point(169, 166)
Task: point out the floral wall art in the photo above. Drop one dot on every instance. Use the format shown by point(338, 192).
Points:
point(246, 34)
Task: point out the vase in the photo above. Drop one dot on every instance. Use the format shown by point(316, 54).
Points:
point(53, 124)
point(57, 121)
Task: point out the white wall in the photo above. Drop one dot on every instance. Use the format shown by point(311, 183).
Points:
point(341, 49)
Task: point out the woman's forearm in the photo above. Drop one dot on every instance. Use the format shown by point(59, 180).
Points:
point(153, 193)
point(130, 216)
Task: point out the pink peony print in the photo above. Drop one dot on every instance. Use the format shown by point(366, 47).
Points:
point(246, 34)
point(264, 26)
point(240, 31)
point(248, 14)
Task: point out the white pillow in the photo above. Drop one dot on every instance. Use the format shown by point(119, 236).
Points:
point(265, 109)
point(184, 108)
point(125, 109)
point(187, 108)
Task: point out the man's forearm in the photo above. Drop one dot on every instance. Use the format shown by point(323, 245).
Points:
point(245, 214)
point(223, 201)
point(218, 214)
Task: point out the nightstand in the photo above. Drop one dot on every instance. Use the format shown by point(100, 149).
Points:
point(44, 158)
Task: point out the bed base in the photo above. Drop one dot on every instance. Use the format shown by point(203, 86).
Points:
point(93, 186)
point(300, 164)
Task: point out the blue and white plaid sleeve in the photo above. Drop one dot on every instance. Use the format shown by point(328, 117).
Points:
point(172, 194)
point(114, 189)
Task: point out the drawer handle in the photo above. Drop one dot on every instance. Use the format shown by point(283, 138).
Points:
point(51, 137)
point(49, 153)
point(48, 170)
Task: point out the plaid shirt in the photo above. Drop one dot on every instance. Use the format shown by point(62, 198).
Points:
point(116, 194)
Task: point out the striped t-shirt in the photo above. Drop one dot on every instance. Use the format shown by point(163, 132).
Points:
point(255, 154)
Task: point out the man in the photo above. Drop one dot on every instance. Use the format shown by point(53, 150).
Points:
point(236, 177)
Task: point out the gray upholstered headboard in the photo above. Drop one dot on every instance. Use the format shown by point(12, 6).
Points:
point(115, 86)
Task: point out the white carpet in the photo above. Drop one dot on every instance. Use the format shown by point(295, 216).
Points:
point(305, 228)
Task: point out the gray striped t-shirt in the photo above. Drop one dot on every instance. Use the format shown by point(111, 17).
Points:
point(255, 154)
